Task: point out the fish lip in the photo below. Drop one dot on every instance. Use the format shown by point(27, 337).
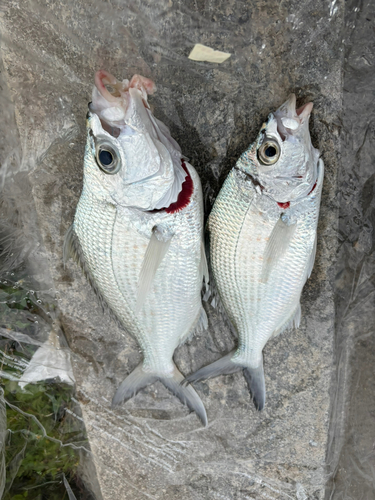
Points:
point(102, 76)
point(288, 110)
point(117, 97)
point(288, 107)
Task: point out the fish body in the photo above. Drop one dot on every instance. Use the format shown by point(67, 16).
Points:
point(143, 256)
point(262, 232)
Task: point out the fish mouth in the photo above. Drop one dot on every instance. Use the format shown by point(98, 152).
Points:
point(305, 110)
point(289, 108)
point(110, 129)
point(112, 89)
point(152, 171)
point(108, 86)
point(111, 99)
point(289, 118)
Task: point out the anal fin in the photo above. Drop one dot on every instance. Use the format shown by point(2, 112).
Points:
point(293, 321)
point(199, 326)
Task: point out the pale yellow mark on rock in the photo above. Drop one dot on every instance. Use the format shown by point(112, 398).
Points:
point(206, 54)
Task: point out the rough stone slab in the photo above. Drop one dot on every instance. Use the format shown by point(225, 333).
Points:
point(152, 447)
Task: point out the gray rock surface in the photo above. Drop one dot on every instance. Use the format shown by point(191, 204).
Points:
point(152, 447)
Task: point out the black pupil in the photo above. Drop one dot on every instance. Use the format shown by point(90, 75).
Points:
point(270, 151)
point(105, 157)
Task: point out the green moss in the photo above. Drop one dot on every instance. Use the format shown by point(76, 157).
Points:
point(40, 449)
point(45, 440)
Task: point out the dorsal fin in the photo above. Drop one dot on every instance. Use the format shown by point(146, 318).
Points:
point(277, 245)
point(155, 252)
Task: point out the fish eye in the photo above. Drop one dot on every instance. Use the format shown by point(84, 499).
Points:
point(269, 152)
point(107, 158)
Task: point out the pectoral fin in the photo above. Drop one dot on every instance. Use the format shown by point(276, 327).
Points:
point(277, 245)
point(156, 250)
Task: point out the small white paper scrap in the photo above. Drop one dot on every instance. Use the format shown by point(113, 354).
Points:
point(203, 53)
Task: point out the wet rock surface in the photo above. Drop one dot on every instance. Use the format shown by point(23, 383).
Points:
point(152, 447)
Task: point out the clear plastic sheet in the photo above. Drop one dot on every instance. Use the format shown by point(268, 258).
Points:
point(43, 442)
point(351, 453)
point(62, 357)
point(43, 445)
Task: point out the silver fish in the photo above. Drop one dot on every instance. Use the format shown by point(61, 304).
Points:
point(138, 229)
point(263, 232)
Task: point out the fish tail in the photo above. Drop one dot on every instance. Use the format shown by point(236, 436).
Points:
point(132, 384)
point(138, 379)
point(255, 381)
point(186, 394)
point(224, 366)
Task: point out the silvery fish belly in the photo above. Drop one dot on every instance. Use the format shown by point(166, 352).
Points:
point(262, 232)
point(137, 231)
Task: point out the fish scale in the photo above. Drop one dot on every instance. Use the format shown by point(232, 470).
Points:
point(262, 234)
point(144, 259)
point(108, 237)
point(257, 309)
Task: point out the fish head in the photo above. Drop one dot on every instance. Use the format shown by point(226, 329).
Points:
point(282, 161)
point(131, 159)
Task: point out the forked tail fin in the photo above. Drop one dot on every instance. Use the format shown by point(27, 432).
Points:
point(138, 379)
point(223, 366)
point(255, 381)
